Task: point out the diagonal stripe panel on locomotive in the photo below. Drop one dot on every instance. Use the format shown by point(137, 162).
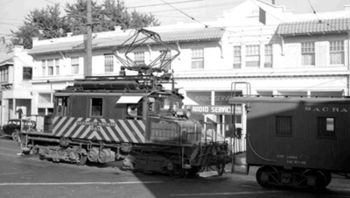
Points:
point(85, 132)
point(116, 131)
point(82, 128)
point(109, 130)
point(60, 122)
point(128, 130)
point(135, 130)
point(71, 128)
point(104, 132)
point(64, 127)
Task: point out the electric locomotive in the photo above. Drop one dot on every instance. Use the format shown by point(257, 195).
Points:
point(132, 118)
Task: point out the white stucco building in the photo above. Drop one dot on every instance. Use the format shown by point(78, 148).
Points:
point(15, 80)
point(276, 51)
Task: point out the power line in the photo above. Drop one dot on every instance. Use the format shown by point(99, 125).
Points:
point(184, 13)
point(313, 9)
point(161, 4)
point(315, 12)
point(195, 7)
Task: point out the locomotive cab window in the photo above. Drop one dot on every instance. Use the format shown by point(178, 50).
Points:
point(134, 111)
point(170, 104)
point(96, 107)
point(284, 125)
point(326, 126)
point(61, 103)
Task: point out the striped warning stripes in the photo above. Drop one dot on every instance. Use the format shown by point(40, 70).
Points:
point(109, 130)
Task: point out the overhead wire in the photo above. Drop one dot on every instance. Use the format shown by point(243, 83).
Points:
point(316, 14)
point(161, 4)
point(194, 7)
point(195, 20)
point(184, 13)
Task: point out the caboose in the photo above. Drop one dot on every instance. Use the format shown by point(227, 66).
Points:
point(296, 141)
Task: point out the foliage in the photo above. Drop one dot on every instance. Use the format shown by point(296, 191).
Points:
point(44, 23)
point(50, 23)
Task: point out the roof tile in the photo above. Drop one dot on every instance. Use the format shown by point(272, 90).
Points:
point(337, 25)
point(182, 36)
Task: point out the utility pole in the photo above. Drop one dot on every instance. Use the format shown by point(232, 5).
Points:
point(88, 42)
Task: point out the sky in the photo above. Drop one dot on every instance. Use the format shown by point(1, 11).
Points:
point(13, 12)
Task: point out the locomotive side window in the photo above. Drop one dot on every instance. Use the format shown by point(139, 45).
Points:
point(132, 111)
point(284, 125)
point(326, 126)
point(96, 106)
point(61, 106)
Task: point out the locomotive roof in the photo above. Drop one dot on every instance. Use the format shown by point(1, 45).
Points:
point(285, 99)
point(116, 92)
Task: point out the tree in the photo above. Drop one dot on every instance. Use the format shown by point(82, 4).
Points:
point(42, 23)
point(76, 16)
point(142, 20)
point(49, 23)
point(115, 15)
point(106, 16)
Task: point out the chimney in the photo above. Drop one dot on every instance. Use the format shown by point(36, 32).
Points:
point(69, 34)
point(35, 40)
point(118, 28)
point(273, 2)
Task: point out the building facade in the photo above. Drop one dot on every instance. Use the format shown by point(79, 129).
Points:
point(16, 87)
point(275, 51)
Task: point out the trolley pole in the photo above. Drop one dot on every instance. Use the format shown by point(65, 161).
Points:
point(88, 41)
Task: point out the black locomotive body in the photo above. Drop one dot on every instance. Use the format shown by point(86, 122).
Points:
point(126, 117)
point(297, 141)
point(129, 118)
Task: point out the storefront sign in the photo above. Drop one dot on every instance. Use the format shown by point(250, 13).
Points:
point(214, 109)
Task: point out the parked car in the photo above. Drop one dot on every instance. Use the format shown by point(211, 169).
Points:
point(14, 125)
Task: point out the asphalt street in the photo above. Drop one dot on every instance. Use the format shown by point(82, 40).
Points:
point(29, 177)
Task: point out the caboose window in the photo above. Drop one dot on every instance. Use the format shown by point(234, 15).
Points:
point(96, 107)
point(326, 126)
point(284, 125)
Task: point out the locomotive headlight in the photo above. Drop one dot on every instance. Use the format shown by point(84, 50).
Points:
point(188, 113)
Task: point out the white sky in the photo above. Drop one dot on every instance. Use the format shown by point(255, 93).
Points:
point(13, 12)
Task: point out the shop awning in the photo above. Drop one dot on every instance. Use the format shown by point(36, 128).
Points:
point(129, 99)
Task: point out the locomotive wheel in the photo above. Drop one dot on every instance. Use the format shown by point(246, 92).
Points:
point(193, 172)
point(347, 175)
point(220, 168)
point(267, 177)
point(14, 136)
point(42, 157)
point(82, 157)
point(328, 177)
point(34, 150)
point(320, 179)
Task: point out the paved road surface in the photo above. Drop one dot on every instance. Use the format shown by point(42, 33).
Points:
point(28, 177)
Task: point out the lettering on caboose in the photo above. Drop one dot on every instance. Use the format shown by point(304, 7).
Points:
point(327, 109)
